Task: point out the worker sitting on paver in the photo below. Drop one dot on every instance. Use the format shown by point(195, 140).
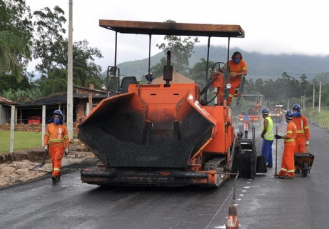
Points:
point(238, 69)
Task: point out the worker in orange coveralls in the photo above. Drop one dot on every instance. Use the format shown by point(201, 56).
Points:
point(56, 142)
point(303, 131)
point(288, 162)
point(238, 68)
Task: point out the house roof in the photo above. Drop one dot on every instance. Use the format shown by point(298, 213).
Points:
point(177, 78)
point(6, 101)
point(61, 97)
point(90, 89)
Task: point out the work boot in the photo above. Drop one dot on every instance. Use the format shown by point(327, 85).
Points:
point(54, 179)
point(280, 177)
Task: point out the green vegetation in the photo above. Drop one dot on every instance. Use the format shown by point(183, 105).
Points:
point(181, 49)
point(23, 140)
point(319, 119)
point(264, 66)
point(15, 38)
point(40, 35)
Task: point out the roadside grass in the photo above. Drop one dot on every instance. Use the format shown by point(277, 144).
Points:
point(317, 118)
point(22, 140)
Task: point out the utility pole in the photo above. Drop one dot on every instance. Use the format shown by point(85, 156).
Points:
point(320, 98)
point(70, 77)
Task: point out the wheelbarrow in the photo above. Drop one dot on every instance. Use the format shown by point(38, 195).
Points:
point(304, 162)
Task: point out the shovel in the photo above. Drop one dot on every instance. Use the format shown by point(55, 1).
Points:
point(42, 163)
point(308, 149)
point(276, 153)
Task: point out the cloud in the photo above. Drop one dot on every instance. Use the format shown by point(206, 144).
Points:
point(271, 27)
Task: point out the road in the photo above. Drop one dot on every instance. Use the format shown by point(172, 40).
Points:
point(265, 202)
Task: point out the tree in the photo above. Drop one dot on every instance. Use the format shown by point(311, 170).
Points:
point(199, 70)
point(157, 70)
point(21, 96)
point(48, 44)
point(249, 86)
point(52, 48)
point(15, 37)
point(270, 90)
point(84, 68)
point(9, 82)
point(304, 87)
point(323, 77)
point(55, 82)
point(181, 50)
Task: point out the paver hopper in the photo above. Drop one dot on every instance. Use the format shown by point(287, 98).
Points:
point(160, 129)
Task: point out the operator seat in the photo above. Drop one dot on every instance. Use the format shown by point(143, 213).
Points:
point(125, 83)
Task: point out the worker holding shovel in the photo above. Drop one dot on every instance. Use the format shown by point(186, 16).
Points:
point(56, 142)
point(288, 164)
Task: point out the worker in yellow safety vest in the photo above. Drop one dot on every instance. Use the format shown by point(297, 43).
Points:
point(268, 137)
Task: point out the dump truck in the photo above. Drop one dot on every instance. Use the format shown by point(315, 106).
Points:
point(276, 113)
point(166, 134)
point(252, 105)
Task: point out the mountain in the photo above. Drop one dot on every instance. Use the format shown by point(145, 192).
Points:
point(263, 66)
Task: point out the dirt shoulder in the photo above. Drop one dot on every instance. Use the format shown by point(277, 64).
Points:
point(17, 168)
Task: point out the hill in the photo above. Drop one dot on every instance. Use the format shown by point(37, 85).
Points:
point(260, 65)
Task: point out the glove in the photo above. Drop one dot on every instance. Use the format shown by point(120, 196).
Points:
point(277, 136)
point(307, 142)
point(67, 151)
point(262, 136)
point(46, 149)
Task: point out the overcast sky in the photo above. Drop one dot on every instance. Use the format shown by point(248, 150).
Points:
point(271, 26)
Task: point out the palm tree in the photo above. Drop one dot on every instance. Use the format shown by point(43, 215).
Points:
point(12, 44)
point(8, 60)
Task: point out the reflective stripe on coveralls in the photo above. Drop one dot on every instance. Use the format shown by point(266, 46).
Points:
point(56, 140)
point(288, 161)
point(56, 137)
point(303, 133)
point(56, 153)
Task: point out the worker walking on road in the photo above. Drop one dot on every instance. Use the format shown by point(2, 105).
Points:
point(288, 161)
point(56, 142)
point(303, 131)
point(246, 123)
point(268, 137)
